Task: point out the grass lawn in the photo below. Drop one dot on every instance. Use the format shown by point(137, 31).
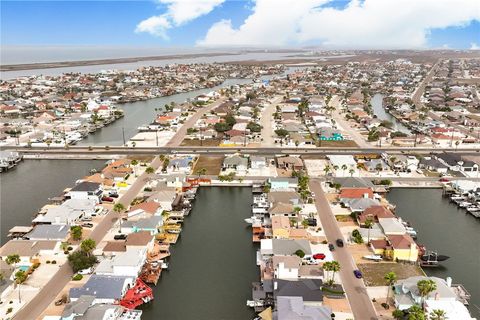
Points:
point(343, 143)
point(373, 273)
point(196, 143)
point(213, 164)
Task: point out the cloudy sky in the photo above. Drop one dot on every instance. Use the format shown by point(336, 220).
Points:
point(343, 24)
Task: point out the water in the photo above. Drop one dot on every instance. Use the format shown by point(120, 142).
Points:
point(382, 114)
point(451, 231)
point(25, 189)
point(213, 263)
point(143, 112)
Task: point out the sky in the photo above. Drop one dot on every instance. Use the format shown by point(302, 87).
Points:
point(337, 24)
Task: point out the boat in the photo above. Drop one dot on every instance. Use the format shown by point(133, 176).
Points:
point(373, 257)
point(253, 220)
point(253, 303)
point(465, 204)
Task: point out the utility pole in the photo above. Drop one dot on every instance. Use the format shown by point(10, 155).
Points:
point(123, 135)
point(156, 136)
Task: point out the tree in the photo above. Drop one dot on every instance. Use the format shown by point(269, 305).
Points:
point(390, 279)
point(351, 171)
point(119, 208)
point(79, 260)
point(134, 163)
point(87, 246)
point(368, 224)
point(398, 314)
point(76, 232)
point(20, 277)
point(230, 120)
point(300, 253)
point(149, 170)
point(415, 313)
point(326, 169)
point(335, 268)
point(425, 287)
point(2, 277)
point(438, 314)
point(254, 127)
point(201, 172)
point(378, 168)
point(221, 127)
point(344, 168)
point(282, 133)
point(13, 259)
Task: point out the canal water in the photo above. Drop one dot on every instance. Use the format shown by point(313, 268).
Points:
point(213, 264)
point(382, 114)
point(141, 113)
point(443, 227)
point(25, 189)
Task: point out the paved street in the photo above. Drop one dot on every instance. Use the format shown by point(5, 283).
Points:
point(266, 121)
point(417, 95)
point(340, 120)
point(355, 289)
point(47, 294)
point(180, 135)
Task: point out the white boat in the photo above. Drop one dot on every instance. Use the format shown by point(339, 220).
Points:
point(473, 209)
point(373, 257)
point(253, 303)
point(464, 204)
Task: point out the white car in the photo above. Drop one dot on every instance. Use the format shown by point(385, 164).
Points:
point(86, 271)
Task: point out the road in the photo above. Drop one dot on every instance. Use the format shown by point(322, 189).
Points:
point(84, 152)
point(266, 121)
point(340, 120)
point(417, 95)
point(180, 135)
point(59, 280)
point(362, 306)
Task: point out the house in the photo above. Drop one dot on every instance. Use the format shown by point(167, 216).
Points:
point(307, 289)
point(180, 165)
point(290, 163)
point(355, 193)
point(283, 183)
point(391, 226)
point(286, 267)
point(453, 309)
point(235, 162)
point(280, 227)
point(375, 165)
point(406, 292)
point(49, 232)
point(128, 263)
point(284, 197)
point(87, 190)
point(84, 308)
point(142, 239)
point(433, 164)
point(164, 198)
point(284, 247)
point(70, 212)
point(29, 249)
point(150, 224)
point(282, 209)
point(258, 162)
point(359, 205)
point(294, 308)
point(106, 289)
point(396, 247)
point(374, 213)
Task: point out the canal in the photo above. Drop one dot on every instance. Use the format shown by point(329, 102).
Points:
point(382, 114)
point(139, 113)
point(213, 263)
point(25, 189)
point(443, 227)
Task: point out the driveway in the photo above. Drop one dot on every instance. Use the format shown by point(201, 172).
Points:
point(362, 306)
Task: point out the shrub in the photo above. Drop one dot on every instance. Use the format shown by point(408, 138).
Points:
point(65, 252)
point(300, 253)
point(9, 310)
point(80, 260)
point(70, 248)
point(54, 261)
point(77, 277)
point(48, 261)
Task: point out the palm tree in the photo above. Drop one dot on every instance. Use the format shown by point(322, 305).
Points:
point(327, 266)
point(13, 259)
point(335, 168)
point(134, 163)
point(351, 171)
point(327, 169)
point(390, 280)
point(344, 168)
point(398, 314)
point(425, 287)
point(415, 313)
point(119, 208)
point(378, 168)
point(438, 314)
point(20, 277)
point(88, 245)
point(369, 225)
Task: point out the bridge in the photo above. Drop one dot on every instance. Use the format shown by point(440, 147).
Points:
point(95, 152)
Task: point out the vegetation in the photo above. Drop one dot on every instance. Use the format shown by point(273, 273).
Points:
point(415, 312)
point(76, 233)
point(438, 314)
point(425, 287)
point(282, 133)
point(229, 177)
point(149, 170)
point(77, 277)
point(397, 134)
point(12, 259)
point(300, 253)
point(254, 127)
point(369, 225)
point(332, 266)
point(390, 280)
point(357, 237)
point(119, 209)
point(373, 135)
point(83, 258)
point(88, 245)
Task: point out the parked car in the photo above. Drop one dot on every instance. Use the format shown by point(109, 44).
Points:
point(340, 243)
point(113, 194)
point(107, 199)
point(319, 256)
point(331, 247)
point(87, 225)
point(357, 274)
point(312, 222)
point(87, 219)
point(444, 180)
point(86, 271)
point(120, 237)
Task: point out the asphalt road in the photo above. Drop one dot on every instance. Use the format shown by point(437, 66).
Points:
point(362, 306)
point(59, 280)
point(180, 135)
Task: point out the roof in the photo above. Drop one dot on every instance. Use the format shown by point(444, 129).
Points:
point(294, 308)
point(287, 247)
point(391, 226)
point(283, 196)
point(115, 246)
point(98, 311)
point(308, 289)
point(280, 222)
point(78, 307)
point(141, 238)
point(353, 182)
point(401, 241)
point(355, 193)
point(102, 287)
point(86, 186)
point(146, 223)
point(48, 232)
point(361, 204)
point(296, 161)
point(147, 206)
point(289, 262)
point(26, 248)
point(281, 208)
